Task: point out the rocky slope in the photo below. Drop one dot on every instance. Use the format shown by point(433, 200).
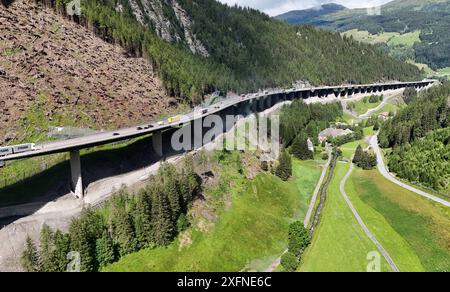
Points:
point(169, 20)
point(49, 61)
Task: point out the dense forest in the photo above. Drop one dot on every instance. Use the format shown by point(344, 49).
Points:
point(420, 136)
point(425, 161)
point(306, 120)
point(247, 49)
point(428, 112)
point(127, 223)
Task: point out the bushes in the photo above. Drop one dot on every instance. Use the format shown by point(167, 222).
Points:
point(298, 241)
point(289, 262)
point(124, 225)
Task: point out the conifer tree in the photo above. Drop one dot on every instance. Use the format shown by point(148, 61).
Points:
point(105, 250)
point(62, 248)
point(162, 224)
point(168, 174)
point(358, 154)
point(47, 248)
point(300, 148)
point(284, 168)
point(30, 260)
point(142, 219)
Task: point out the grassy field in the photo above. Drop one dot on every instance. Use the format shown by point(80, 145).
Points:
point(248, 236)
point(390, 38)
point(306, 174)
point(412, 228)
point(398, 248)
point(407, 39)
point(339, 243)
point(360, 107)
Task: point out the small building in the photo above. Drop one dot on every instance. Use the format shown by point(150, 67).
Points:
point(384, 116)
point(333, 132)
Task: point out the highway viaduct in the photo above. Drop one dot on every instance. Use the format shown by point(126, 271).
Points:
point(162, 133)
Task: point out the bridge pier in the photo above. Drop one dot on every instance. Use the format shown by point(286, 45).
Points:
point(157, 142)
point(75, 168)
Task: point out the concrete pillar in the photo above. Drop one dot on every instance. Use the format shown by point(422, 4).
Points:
point(75, 168)
point(157, 142)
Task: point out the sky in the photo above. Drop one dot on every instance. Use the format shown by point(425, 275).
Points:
point(276, 7)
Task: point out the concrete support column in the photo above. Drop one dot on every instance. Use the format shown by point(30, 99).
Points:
point(77, 180)
point(157, 142)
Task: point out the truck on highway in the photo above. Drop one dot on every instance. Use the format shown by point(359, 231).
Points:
point(174, 119)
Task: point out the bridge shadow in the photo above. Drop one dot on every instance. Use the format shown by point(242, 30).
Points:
point(53, 183)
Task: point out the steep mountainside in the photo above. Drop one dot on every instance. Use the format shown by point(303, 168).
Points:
point(62, 69)
point(428, 18)
point(199, 46)
point(310, 16)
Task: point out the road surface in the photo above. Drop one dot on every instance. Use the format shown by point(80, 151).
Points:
point(384, 171)
point(361, 222)
point(141, 130)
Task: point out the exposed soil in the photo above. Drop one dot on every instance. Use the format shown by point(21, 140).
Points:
point(43, 52)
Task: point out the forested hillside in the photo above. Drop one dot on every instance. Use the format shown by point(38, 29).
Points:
point(201, 46)
point(429, 18)
point(420, 137)
point(429, 111)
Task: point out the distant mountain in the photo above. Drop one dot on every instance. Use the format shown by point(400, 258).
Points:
point(409, 29)
point(310, 16)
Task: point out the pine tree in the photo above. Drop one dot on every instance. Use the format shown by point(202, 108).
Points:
point(162, 224)
point(358, 154)
point(142, 219)
point(284, 168)
point(300, 148)
point(124, 235)
point(62, 248)
point(84, 232)
point(105, 250)
point(47, 248)
point(30, 260)
point(170, 184)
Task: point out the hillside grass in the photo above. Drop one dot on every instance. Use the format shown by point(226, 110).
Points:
point(360, 107)
point(339, 243)
point(407, 39)
point(248, 236)
point(424, 225)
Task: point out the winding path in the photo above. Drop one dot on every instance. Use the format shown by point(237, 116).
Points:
point(384, 171)
point(361, 222)
point(372, 110)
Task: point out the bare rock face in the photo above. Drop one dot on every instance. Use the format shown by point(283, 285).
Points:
point(194, 44)
point(180, 31)
point(72, 71)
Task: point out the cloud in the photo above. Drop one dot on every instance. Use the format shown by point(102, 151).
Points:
point(275, 7)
